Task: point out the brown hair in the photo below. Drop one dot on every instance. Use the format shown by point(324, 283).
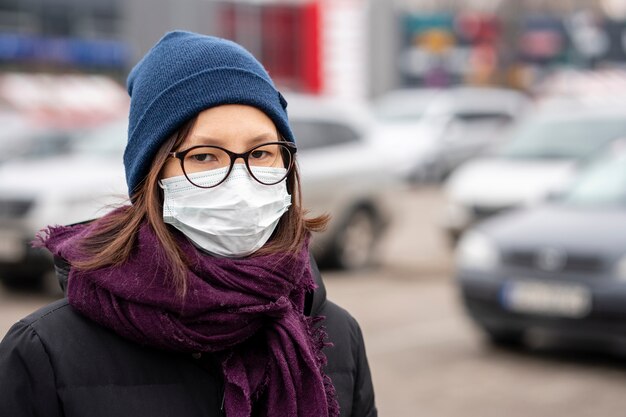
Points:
point(116, 233)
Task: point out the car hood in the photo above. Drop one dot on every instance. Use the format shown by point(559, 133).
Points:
point(404, 145)
point(67, 176)
point(501, 182)
point(573, 228)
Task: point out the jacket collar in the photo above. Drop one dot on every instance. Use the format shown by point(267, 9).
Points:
point(62, 269)
point(316, 299)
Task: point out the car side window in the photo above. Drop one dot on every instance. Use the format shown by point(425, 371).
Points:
point(494, 120)
point(484, 117)
point(463, 124)
point(313, 134)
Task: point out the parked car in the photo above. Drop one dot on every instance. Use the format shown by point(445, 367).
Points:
point(539, 158)
point(20, 137)
point(406, 104)
point(38, 191)
point(346, 174)
point(441, 129)
point(341, 176)
point(559, 267)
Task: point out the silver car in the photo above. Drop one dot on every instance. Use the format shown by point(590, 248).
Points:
point(446, 127)
point(345, 173)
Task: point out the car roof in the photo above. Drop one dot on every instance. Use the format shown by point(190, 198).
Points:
point(572, 110)
point(410, 94)
point(455, 100)
point(459, 99)
point(304, 106)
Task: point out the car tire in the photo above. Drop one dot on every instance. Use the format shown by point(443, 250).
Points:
point(22, 282)
point(506, 338)
point(452, 238)
point(354, 244)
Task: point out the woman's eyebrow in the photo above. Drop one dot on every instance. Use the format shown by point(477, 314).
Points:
point(210, 140)
point(205, 140)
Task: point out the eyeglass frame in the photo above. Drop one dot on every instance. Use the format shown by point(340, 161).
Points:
point(291, 147)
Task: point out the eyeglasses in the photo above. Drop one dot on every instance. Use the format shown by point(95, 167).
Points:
point(206, 158)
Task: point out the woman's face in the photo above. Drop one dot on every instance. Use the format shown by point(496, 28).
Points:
point(232, 126)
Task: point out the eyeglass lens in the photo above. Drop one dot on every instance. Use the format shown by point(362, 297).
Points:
point(208, 158)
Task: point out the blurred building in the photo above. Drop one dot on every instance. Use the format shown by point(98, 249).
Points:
point(512, 42)
point(318, 47)
point(314, 46)
point(311, 46)
point(348, 48)
point(62, 35)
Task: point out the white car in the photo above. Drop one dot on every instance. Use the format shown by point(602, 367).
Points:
point(342, 175)
point(538, 159)
point(23, 137)
point(346, 174)
point(440, 129)
point(61, 189)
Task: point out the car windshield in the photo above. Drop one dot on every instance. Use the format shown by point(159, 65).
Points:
point(39, 145)
point(104, 140)
point(403, 107)
point(562, 139)
point(315, 134)
point(603, 182)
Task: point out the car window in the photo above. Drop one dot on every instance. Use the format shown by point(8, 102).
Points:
point(42, 145)
point(311, 134)
point(104, 140)
point(562, 139)
point(475, 117)
point(404, 107)
point(602, 183)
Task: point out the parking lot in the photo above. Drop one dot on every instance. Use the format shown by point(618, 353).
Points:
point(426, 357)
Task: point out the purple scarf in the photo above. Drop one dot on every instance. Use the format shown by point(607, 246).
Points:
point(248, 312)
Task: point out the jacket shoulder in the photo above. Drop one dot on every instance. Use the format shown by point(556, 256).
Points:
point(58, 320)
point(56, 354)
point(347, 364)
point(26, 374)
point(50, 313)
point(340, 324)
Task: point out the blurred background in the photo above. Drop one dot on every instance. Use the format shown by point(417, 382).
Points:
point(472, 155)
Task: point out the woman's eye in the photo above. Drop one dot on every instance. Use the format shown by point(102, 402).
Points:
point(203, 157)
point(259, 154)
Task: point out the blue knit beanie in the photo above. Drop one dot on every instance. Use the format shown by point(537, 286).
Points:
point(183, 74)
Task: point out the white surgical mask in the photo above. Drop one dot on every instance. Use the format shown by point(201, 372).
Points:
point(233, 219)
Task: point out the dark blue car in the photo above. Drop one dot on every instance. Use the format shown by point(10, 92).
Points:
point(559, 267)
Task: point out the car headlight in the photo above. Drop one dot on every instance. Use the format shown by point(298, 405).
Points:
point(477, 251)
point(620, 268)
point(457, 215)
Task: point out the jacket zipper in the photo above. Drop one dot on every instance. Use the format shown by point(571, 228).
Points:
point(209, 365)
point(222, 412)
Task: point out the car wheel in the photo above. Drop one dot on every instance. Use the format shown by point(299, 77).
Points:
point(355, 242)
point(453, 237)
point(22, 282)
point(507, 338)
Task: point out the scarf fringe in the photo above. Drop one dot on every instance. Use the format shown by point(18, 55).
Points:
point(42, 237)
point(319, 338)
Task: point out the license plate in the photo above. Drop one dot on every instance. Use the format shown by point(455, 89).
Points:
point(538, 297)
point(11, 246)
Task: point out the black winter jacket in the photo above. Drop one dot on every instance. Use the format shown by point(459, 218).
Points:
point(57, 363)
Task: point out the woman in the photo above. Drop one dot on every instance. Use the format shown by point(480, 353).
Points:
point(199, 298)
